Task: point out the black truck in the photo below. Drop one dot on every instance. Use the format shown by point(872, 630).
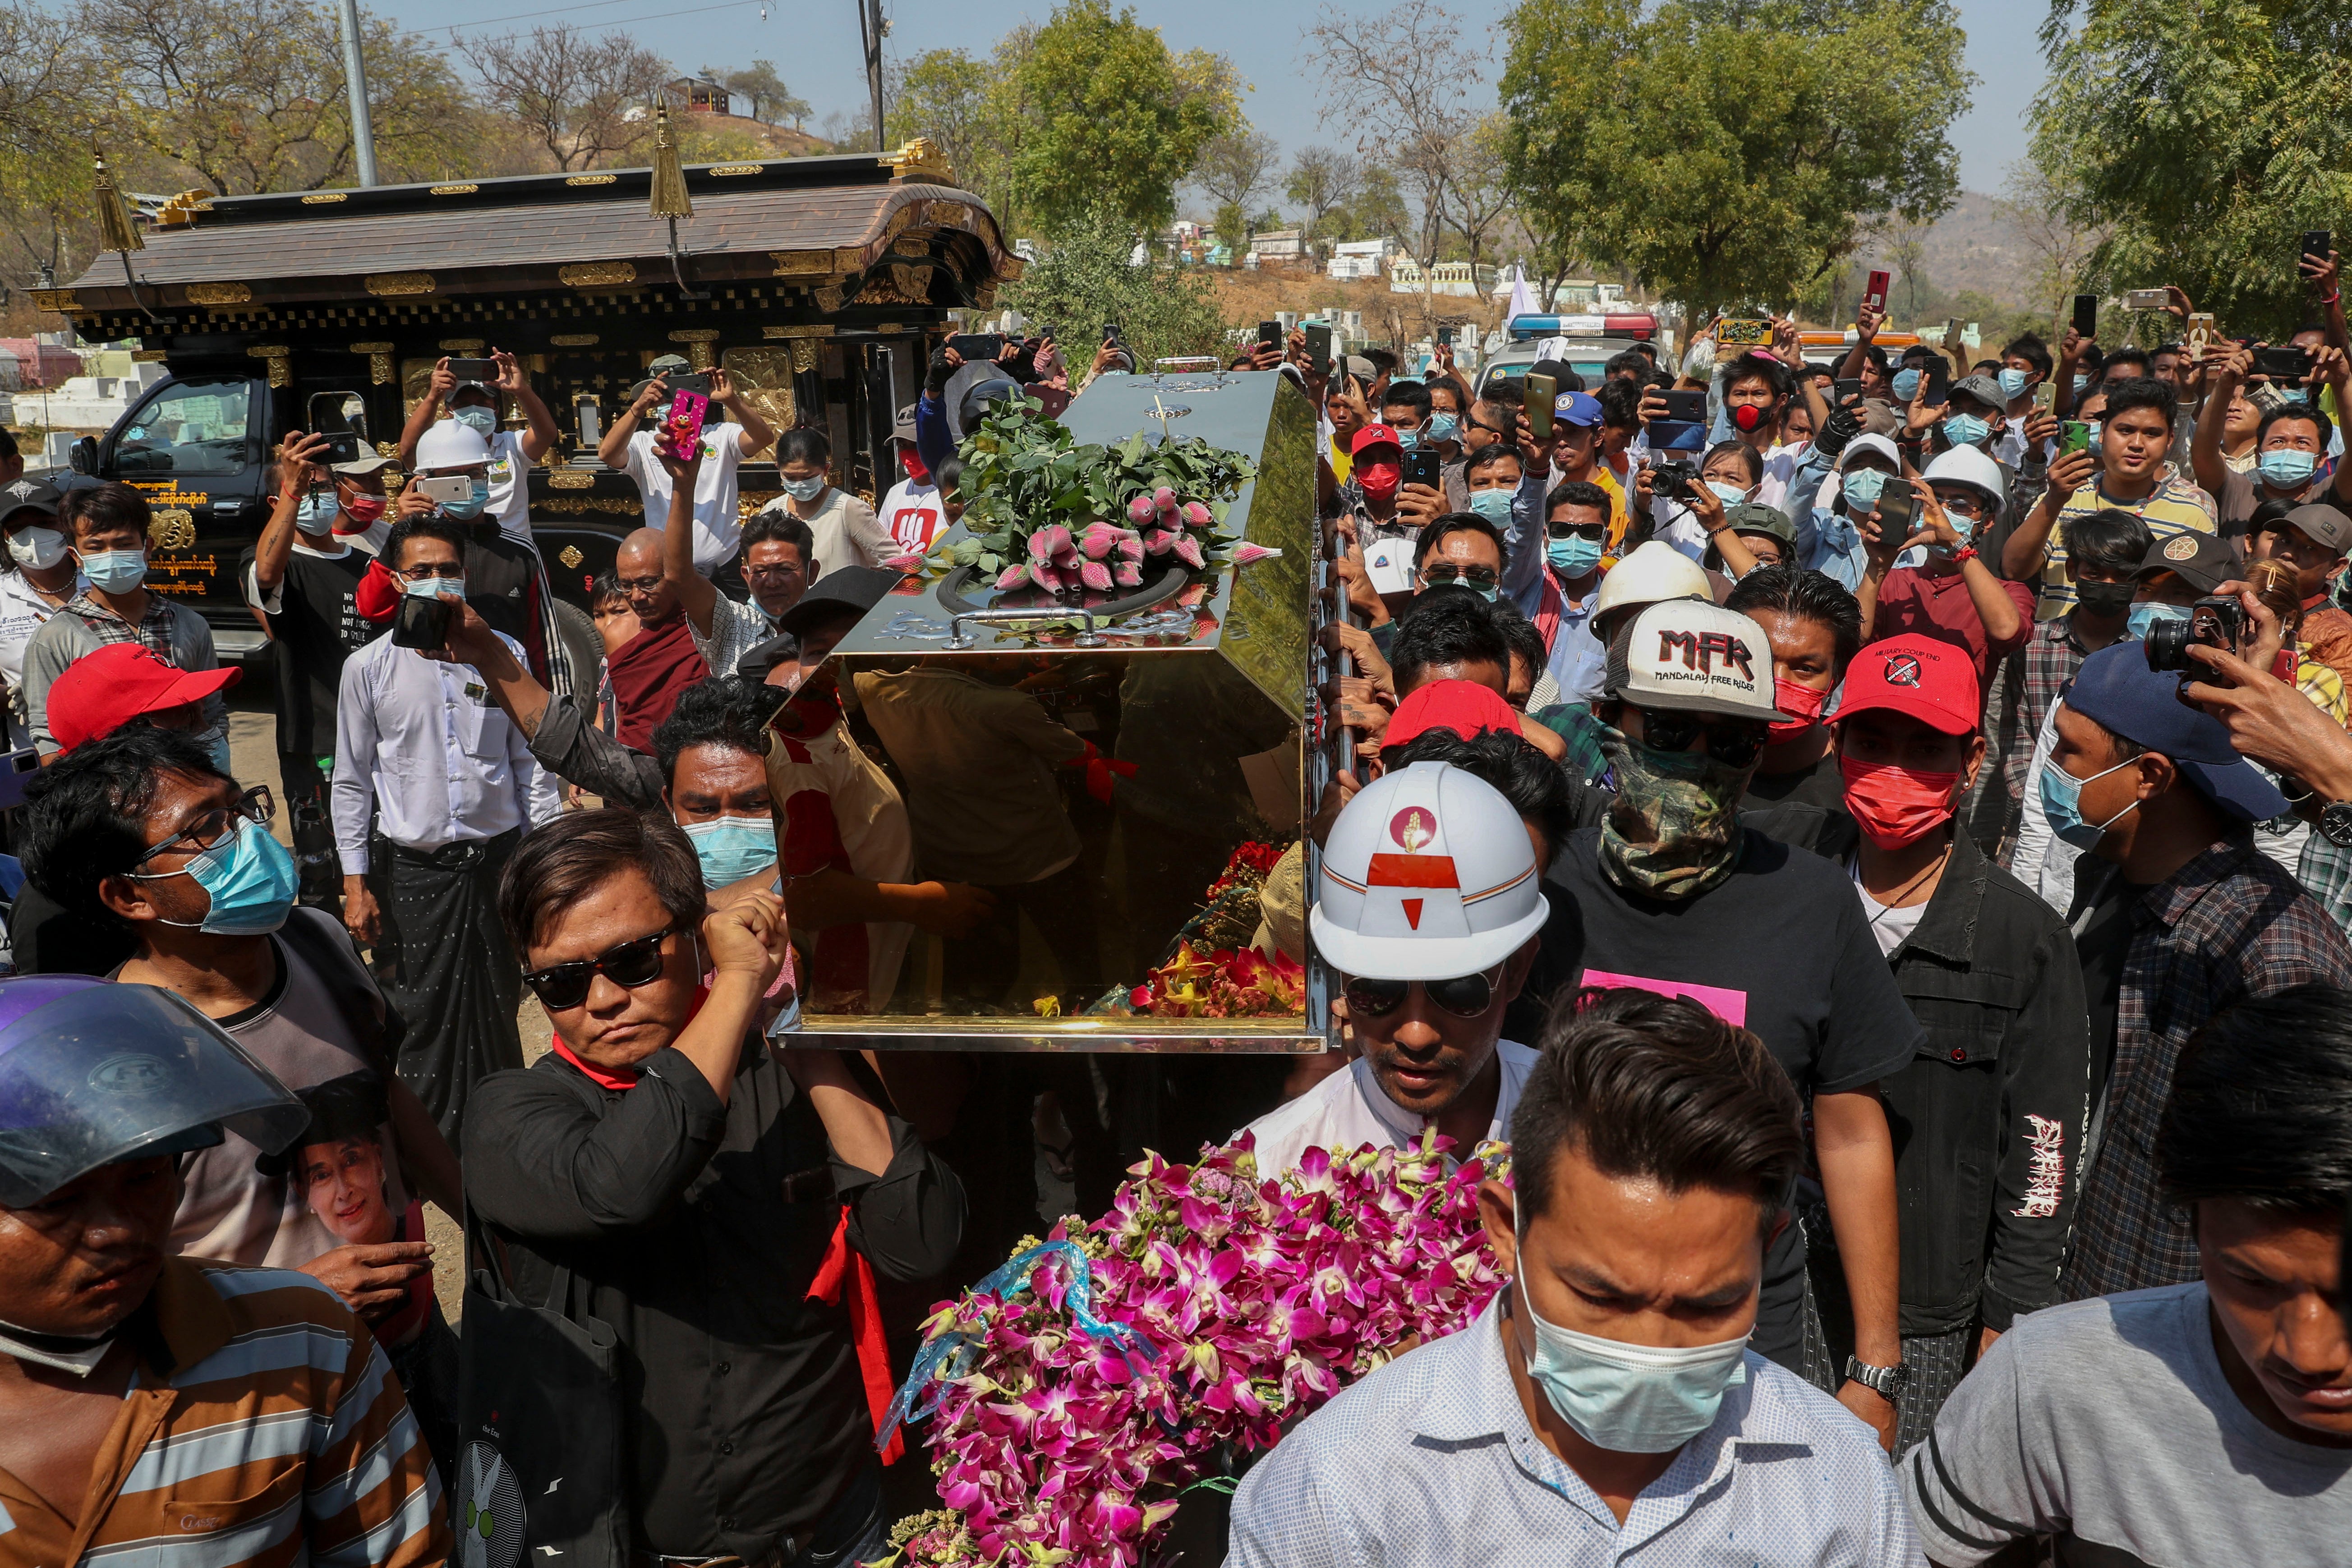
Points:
point(815, 282)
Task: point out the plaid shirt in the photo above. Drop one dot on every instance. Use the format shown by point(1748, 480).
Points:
point(2034, 679)
point(2228, 925)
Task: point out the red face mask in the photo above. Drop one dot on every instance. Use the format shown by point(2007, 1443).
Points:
point(1747, 416)
point(1379, 480)
point(1896, 806)
point(915, 469)
point(1803, 703)
point(362, 510)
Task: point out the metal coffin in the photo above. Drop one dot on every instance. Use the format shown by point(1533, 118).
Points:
point(979, 705)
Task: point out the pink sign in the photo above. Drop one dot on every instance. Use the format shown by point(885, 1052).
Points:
point(1726, 1003)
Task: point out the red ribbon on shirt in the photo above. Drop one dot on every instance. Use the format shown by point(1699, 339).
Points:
point(1099, 771)
point(847, 1278)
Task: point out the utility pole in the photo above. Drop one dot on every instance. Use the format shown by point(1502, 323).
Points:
point(873, 28)
point(355, 83)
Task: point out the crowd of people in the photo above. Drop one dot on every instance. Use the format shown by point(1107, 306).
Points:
point(1883, 865)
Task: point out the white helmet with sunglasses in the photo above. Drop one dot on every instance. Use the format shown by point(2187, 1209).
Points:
point(1429, 875)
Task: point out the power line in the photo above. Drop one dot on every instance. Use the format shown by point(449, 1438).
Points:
point(569, 10)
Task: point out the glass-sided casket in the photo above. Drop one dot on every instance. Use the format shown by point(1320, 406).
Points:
point(1104, 937)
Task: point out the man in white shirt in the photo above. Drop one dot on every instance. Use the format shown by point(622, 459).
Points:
point(725, 443)
point(912, 512)
point(454, 788)
point(36, 581)
point(1428, 906)
point(475, 404)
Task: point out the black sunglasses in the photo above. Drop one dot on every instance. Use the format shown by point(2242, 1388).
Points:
point(563, 986)
point(1734, 742)
point(1465, 996)
point(1595, 532)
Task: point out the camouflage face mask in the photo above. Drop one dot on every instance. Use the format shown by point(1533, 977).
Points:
point(1673, 829)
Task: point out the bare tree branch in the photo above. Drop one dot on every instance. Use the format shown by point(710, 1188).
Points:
point(573, 93)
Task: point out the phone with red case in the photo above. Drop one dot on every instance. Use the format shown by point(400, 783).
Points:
point(682, 431)
point(1877, 293)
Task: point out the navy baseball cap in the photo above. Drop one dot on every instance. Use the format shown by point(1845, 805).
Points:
point(2116, 689)
point(1578, 408)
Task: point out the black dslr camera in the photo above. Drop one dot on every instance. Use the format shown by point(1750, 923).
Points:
point(1673, 479)
point(2216, 621)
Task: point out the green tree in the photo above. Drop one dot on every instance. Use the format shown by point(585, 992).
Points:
point(2208, 136)
point(1102, 115)
point(1375, 211)
point(1086, 278)
point(1726, 151)
point(1319, 181)
point(762, 90)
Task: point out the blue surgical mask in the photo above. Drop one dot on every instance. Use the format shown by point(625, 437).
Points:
point(1440, 428)
point(249, 877)
point(2143, 617)
point(2093, 427)
point(315, 512)
point(434, 588)
point(1407, 440)
point(731, 848)
point(471, 506)
point(2013, 382)
point(1729, 495)
point(1495, 506)
point(2062, 803)
point(805, 490)
point(1966, 429)
point(2081, 381)
point(1573, 557)
point(2286, 468)
point(115, 570)
point(1632, 1399)
point(1907, 386)
point(481, 421)
point(1863, 486)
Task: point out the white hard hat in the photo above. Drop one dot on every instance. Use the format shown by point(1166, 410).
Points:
point(1877, 444)
point(1695, 656)
point(1429, 875)
point(1652, 570)
point(448, 443)
point(1966, 466)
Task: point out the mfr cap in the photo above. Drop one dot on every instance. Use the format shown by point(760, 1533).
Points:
point(1429, 874)
point(93, 1073)
point(1695, 656)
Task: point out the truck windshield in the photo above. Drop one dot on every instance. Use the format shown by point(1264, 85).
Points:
point(188, 427)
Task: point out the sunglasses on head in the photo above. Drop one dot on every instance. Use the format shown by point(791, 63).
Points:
point(1735, 743)
point(1465, 996)
point(629, 964)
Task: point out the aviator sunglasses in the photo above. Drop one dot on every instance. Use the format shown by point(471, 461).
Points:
point(1465, 996)
point(629, 964)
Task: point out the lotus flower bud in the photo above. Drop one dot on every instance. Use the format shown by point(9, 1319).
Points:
point(1245, 553)
point(1094, 575)
point(1197, 513)
point(911, 561)
point(1188, 551)
point(1045, 577)
point(1157, 542)
point(1140, 510)
point(1097, 539)
point(1129, 575)
point(1164, 499)
point(1130, 546)
point(1057, 538)
point(1041, 549)
point(1013, 576)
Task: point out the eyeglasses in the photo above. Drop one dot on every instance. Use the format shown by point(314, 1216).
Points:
point(447, 571)
point(629, 964)
point(1735, 743)
point(1465, 996)
point(254, 805)
point(1477, 577)
point(638, 585)
point(771, 574)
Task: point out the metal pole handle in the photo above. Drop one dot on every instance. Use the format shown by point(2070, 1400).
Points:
point(1087, 636)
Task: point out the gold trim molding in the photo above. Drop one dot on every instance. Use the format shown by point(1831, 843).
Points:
point(725, 170)
point(573, 340)
point(802, 263)
point(698, 341)
point(149, 356)
point(919, 160)
point(570, 480)
point(598, 274)
point(219, 293)
point(462, 347)
point(774, 332)
point(465, 190)
point(379, 363)
point(394, 284)
point(55, 299)
point(323, 198)
point(274, 355)
point(591, 179)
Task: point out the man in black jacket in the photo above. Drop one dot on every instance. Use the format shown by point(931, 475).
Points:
point(688, 1186)
point(1988, 1117)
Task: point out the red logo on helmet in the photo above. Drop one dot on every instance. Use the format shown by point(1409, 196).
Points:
point(1414, 826)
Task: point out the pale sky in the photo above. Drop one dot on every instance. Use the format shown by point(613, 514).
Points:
point(814, 46)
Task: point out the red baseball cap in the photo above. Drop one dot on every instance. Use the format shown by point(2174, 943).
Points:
point(105, 689)
point(1933, 682)
point(1372, 436)
point(1465, 707)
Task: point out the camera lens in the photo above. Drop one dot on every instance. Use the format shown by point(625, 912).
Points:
point(2168, 645)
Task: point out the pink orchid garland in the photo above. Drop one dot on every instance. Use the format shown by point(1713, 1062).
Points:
point(1262, 1299)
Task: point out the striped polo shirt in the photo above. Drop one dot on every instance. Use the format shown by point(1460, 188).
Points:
point(264, 1428)
point(2175, 507)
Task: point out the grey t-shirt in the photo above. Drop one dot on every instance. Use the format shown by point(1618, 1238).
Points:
point(2109, 1421)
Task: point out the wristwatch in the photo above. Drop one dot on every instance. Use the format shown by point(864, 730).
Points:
point(2335, 824)
point(1885, 1380)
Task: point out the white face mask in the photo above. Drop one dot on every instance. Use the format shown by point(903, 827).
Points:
point(36, 547)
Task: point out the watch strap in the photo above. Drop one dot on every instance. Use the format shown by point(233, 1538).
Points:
point(1887, 1381)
